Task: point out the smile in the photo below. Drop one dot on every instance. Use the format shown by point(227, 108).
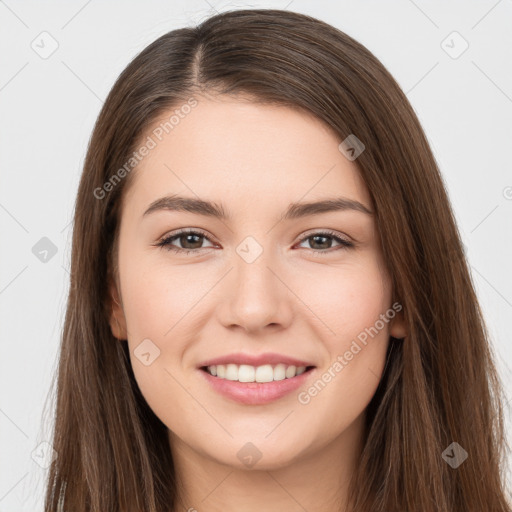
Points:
point(253, 392)
point(261, 374)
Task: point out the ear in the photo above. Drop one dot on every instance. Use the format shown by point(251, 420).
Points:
point(398, 328)
point(117, 319)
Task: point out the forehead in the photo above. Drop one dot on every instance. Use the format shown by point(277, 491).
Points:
point(245, 153)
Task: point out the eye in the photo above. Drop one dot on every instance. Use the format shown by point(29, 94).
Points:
point(191, 241)
point(323, 240)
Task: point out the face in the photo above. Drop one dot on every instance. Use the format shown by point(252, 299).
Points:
point(308, 286)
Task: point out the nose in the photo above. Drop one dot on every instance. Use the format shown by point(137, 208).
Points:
point(258, 298)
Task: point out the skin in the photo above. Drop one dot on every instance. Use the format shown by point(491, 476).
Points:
point(255, 160)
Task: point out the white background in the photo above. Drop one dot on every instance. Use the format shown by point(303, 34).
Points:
point(48, 107)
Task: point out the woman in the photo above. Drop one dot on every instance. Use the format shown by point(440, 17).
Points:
point(270, 308)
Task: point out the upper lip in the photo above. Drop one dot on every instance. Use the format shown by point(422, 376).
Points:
point(255, 360)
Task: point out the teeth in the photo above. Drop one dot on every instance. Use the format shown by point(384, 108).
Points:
point(247, 373)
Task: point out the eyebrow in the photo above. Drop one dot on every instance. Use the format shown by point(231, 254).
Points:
point(294, 210)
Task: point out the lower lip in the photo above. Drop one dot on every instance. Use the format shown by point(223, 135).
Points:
point(256, 393)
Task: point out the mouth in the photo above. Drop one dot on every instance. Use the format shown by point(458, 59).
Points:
point(256, 385)
point(244, 373)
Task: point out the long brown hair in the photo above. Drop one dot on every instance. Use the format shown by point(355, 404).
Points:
point(440, 385)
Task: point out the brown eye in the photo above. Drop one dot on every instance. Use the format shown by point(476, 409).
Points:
point(189, 241)
point(322, 242)
point(194, 240)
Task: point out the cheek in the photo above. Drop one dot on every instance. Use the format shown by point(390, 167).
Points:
point(158, 298)
point(158, 304)
point(346, 299)
point(162, 303)
point(351, 305)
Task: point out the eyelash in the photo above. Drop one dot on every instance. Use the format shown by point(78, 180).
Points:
point(166, 242)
